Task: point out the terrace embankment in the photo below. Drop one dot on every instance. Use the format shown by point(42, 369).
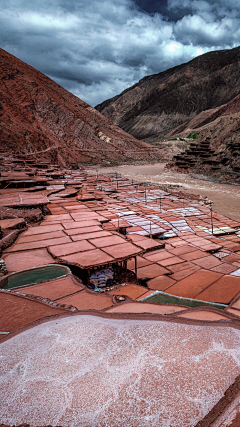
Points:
point(226, 197)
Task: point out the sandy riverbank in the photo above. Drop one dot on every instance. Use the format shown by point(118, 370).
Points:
point(226, 197)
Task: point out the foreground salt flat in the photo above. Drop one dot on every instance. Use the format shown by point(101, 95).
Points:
point(85, 370)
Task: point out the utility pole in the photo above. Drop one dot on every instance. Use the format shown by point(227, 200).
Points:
point(210, 207)
point(117, 179)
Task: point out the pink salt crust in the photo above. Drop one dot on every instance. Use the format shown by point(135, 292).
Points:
point(138, 307)
point(142, 370)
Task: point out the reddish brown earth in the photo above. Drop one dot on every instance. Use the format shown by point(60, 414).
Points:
point(13, 307)
point(218, 131)
point(43, 121)
point(32, 215)
point(209, 116)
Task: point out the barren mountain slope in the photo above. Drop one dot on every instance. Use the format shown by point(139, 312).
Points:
point(216, 152)
point(159, 103)
point(39, 116)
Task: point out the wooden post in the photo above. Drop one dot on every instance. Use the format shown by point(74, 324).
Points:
point(160, 204)
point(210, 207)
point(88, 276)
point(135, 259)
point(117, 179)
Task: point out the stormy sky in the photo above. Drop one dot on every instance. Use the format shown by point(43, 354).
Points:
point(98, 48)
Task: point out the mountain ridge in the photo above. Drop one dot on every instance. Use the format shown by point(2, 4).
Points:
point(40, 118)
point(159, 103)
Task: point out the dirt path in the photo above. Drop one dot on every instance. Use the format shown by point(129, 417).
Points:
point(226, 197)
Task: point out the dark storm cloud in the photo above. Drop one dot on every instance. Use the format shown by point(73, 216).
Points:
point(96, 48)
point(161, 6)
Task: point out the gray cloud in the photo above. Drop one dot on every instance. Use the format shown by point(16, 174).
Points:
point(97, 49)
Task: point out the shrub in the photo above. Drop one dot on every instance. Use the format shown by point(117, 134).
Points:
point(193, 135)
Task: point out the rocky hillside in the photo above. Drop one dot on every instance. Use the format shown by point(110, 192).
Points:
point(157, 104)
point(43, 121)
point(216, 151)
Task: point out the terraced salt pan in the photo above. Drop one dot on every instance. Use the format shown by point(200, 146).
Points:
point(90, 371)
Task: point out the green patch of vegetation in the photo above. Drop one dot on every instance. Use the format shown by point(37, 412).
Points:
point(172, 139)
point(193, 135)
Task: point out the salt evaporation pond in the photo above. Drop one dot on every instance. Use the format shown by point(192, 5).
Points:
point(34, 275)
point(85, 370)
point(164, 298)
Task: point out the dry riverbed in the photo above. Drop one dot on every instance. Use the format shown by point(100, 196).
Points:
point(226, 197)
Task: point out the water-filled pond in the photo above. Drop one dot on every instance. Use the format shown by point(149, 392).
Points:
point(161, 297)
point(34, 275)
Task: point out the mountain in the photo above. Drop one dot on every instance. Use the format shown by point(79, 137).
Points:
point(216, 151)
point(155, 106)
point(43, 121)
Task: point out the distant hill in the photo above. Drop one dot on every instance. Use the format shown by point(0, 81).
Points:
point(40, 119)
point(155, 106)
point(216, 151)
point(198, 99)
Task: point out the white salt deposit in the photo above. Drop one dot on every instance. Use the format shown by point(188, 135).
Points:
point(89, 371)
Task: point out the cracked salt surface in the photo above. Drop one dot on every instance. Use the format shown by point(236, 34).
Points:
point(88, 371)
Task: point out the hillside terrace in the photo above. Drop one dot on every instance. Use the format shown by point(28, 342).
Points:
point(148, 241)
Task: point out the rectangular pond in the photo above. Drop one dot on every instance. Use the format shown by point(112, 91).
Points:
point(163, 298)
point(34, 275)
